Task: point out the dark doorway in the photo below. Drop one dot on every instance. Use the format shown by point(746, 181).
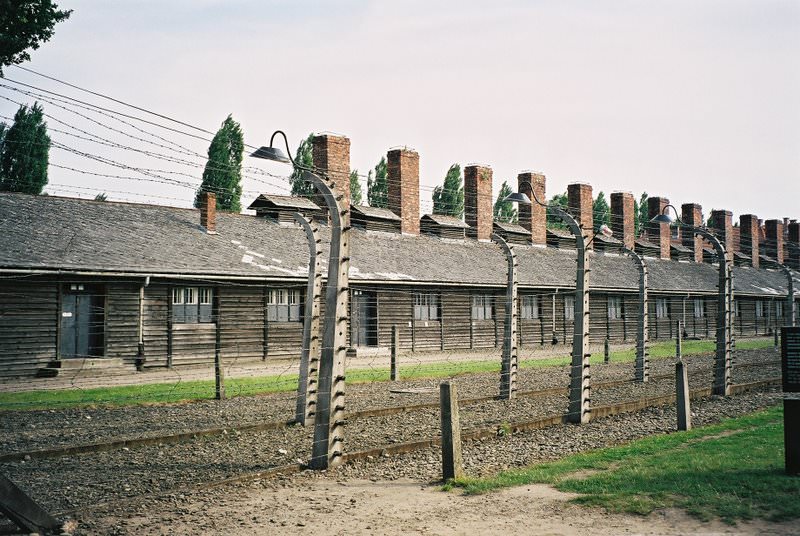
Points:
point(364, 319)
point(82, 321)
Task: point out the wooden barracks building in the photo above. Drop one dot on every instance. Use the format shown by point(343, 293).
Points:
point(159, 286)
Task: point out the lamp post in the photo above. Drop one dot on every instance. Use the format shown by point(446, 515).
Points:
point(579, 386)
point(642, 366)
point(722, 362)
point(329, 414)
point(508, 369)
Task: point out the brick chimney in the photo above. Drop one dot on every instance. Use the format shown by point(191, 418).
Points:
point(773, 243)
point(794, 242)
point(722, 223)
point(692, 214)
point(403, 178)
point(658, 233)
point(622, 218)
point(533, 217)
point(579, 202)
point(749, 237)
point(478, 201)
point(208, 212)
point(331, 155)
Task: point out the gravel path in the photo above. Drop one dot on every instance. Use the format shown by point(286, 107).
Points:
point(79, 481)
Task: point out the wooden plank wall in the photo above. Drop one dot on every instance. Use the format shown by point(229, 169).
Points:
point(155, 325)
point(241, 313)
point(29, 317)
point(122, 321)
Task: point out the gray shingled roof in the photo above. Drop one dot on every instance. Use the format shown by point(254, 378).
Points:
point(511, 227)
point(283, 201)
point(446, 221)
point(376, 213)
point(54, 233)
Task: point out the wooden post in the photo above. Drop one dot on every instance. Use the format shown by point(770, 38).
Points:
point(682, 396)
point(606, 350)
point(395, 372)
point(219, 373)
point(24, 512)
point(452, 466)
point(679, 341)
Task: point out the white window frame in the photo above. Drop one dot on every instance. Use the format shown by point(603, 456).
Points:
point(530, 307)
point(759, 308)
point(699, 308)
point(737, 310)
point(283, 305)
point(614, 307)
point(482, 307)
point(662, 308)
point(569, 308)
point(778, 309)
point(187, 307)
point(426, 306)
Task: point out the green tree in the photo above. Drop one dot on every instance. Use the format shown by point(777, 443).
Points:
point(377, 186)
point(24, 24)
point(25, 149)
point(553, 221)
point(303, 158)
point(101, 197)
point(601, 212)
point(504, 210)
point(448, 199)
point(355, 188)
point(640, 213)
point(223, 172)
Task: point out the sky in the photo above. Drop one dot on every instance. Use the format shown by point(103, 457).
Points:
point(696, 101)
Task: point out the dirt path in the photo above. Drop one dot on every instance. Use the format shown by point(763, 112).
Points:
point(361, 507)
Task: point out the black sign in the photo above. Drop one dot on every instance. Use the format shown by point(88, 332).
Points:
point(790, 362)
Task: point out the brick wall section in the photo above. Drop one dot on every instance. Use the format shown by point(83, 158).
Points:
point(579, 203)
point(403, 178)
point(622, 218)
point(692, 214)
point(331, 156)
point(794, 248)
point(208, 212)
point(749, 237)
point(773, 243)
point(658, 233)
point(478, 201)
point(722, 223)
point(533, 217)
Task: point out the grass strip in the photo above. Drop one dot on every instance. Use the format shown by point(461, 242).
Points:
point(733, 470)
point(187, 391)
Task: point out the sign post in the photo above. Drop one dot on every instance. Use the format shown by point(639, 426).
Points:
point(790, 372)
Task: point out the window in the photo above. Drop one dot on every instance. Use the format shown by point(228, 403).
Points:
point(737, 312)
point(778, 309)
point(530, 307)
point(614, 307)
point(192, 305)
point(283, 305)
point(662, 308)
point(759, 309)
point(569, 307)
point(699, 308)
point(482, 308)
point(426, 307)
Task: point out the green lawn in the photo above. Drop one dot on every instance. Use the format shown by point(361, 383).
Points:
point(184, 391)
point(733, 471)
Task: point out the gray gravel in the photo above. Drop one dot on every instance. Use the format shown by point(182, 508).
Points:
point(79, 481)
point(31, 430)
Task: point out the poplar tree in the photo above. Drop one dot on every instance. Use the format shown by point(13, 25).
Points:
point(304, 157)
point(223, 172)
point(640, 214)
point(601, 212)
point(24, 152)
point(377, 186)
point(553, 221)
point(448, 199)
point(504, 210)
point(356, 194)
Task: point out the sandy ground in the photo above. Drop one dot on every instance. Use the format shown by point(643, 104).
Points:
point(361, 507)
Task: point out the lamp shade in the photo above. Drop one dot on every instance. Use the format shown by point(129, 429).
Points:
point(271, 153)
point(518, 197)
point(663, 218)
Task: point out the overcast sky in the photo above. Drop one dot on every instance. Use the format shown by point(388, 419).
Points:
point(696, 101)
